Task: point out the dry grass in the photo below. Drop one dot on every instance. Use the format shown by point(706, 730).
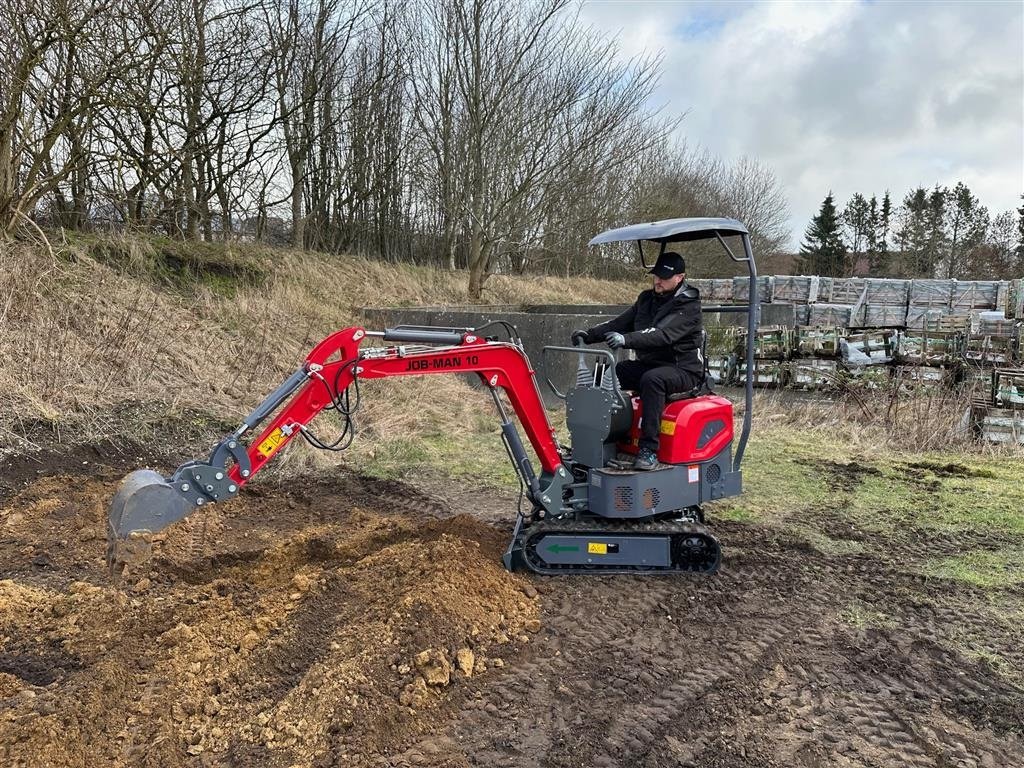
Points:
point(102, 323)
point(880, 417)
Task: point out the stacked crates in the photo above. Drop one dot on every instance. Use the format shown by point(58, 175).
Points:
point(815, 363)
point(998, 414)
point(771, 350)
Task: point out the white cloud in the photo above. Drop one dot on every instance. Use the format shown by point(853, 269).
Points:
point(848, 96)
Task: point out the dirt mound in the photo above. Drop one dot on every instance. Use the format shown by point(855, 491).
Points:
point(277, 630)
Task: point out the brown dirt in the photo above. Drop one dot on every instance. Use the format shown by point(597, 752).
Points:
point(299, 625)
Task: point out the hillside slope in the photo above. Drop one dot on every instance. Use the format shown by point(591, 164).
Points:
point(117, 334)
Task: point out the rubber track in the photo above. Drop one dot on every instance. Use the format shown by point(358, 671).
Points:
point(615, 528)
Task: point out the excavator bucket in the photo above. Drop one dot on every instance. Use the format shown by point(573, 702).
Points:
point(145, 503)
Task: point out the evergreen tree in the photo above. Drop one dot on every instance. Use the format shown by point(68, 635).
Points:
point(878, 236)
point(883, 232)
point(912, 234)
point(1020, 238)
point(966, 221)
point(937, 239)
point(823, 251)
point(856, 220)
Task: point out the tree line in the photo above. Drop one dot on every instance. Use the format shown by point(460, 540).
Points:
point(472, 134)
point(944, 232)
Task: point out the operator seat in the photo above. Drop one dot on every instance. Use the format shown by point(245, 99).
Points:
point(705, 387)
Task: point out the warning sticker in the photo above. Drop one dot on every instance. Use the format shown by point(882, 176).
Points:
point(269, 446)
point(693, 473)
point(596, 548)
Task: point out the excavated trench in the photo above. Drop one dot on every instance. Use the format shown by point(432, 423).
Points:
point(352, 621)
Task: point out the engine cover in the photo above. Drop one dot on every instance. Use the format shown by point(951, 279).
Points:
point(692, 430)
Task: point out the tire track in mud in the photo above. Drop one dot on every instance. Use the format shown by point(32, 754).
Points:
point(614, 682)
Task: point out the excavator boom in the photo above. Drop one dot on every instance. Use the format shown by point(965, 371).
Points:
point(147, 502)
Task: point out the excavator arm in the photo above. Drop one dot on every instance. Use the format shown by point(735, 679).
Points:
point(147, 502)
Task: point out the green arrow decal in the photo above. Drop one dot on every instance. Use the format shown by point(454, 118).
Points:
point(564, 548)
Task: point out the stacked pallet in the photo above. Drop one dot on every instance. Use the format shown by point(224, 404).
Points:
point(883, 304)
point(771, 350)
point(1015, 299)
point(815, 363)
point(940, 349)
point(998, 413)
point(741, 289)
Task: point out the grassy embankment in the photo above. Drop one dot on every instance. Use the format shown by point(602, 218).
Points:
point(154, 342)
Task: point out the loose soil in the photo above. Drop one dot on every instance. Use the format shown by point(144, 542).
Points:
point(347, 621)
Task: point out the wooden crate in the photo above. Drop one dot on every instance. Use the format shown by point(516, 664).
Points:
point(741, 289)
point(990, 349)
point(767, 373)
point(795, 289)
point(772, 343)
point(931, 293)
point(1008, 387)
point(915, 378)
point(1002, 425)
point(841, 290)
point(988, 322)
point(814, 374)
point(934, 348)
point(817, 342)
point(721, 289)
point(723, 368)
point(881, 316)
point(702, 284)
point(868, 348)
point(886, 292)
point(948, 321)
point(830, 315)
point(974, 294)
point(723, 339)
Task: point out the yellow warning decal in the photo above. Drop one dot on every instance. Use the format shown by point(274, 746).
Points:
point(269, 446)
point(668, 427)
point(596, 548)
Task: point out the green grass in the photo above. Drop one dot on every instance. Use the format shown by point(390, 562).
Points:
point(735, 513)
point(826, 544)
point(987, 570)
point(779, 474)
point(478, 456)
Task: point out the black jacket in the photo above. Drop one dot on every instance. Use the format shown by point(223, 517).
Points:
point(662, 329)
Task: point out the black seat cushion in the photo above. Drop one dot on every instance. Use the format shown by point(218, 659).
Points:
point(704, 388)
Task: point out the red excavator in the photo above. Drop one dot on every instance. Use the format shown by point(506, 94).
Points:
point(589, 511)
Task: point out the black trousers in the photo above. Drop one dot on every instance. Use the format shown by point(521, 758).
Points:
point(654, 382)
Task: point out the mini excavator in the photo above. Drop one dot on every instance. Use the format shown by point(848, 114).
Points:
point(589, 512)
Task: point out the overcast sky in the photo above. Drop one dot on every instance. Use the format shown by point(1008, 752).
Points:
point(848, 96)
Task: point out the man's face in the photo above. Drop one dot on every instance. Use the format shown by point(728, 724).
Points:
point(667, 285)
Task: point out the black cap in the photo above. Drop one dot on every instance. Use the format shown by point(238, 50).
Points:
point(669, 263)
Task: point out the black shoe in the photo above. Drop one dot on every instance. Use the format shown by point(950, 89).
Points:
point(645, 460)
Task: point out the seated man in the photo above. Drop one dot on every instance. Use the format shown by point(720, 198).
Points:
point(664, 327)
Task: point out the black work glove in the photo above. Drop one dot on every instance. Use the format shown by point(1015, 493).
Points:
point(615, 340)
point(579, 338)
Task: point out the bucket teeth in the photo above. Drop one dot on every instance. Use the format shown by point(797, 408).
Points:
point(126, 555)
point(145, 503)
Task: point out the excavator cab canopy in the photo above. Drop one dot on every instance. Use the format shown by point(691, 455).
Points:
point(677, 231)
point(705, 228)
